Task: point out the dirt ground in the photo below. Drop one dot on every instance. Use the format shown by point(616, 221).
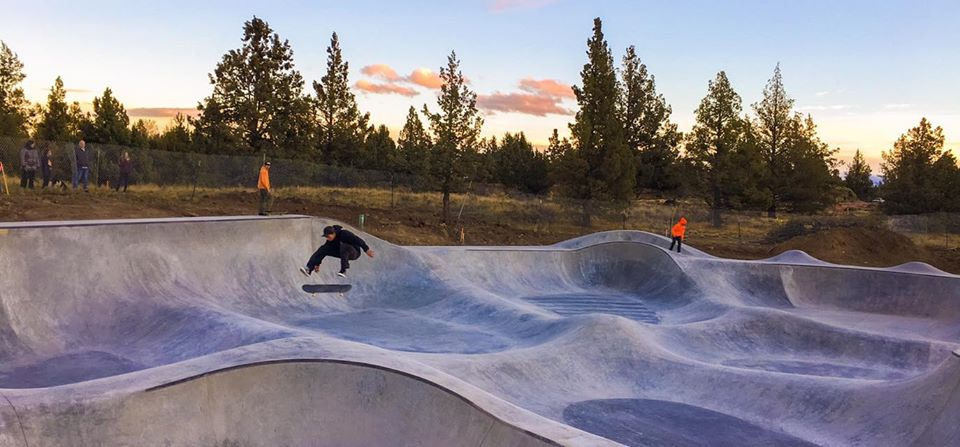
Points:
point(413, 219)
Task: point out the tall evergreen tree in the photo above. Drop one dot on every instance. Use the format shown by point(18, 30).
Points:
point(258, 96)
point(650, 135)
point(597, 130)
point(516, 164)
point(413, 146)
point(773, 125)
point(56, 122)
point(341, 126)
point(212, 130)
point(946, 181)
point(380, 151)
point(142, 133)
point(719, 147)
point(858, 177)
point(455, 128)
point(110, 120)
point(809, 168)
point(909, 179)
point(176, 136)
point(15, 112)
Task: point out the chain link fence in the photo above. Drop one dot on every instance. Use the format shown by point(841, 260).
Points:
point(166, 168)
point(475, 203)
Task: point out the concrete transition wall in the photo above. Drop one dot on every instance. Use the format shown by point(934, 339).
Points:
point(184, 332)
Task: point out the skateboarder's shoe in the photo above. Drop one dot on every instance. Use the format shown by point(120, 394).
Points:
point(342, 274)
point(304, 271)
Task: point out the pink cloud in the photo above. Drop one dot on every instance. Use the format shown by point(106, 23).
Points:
point(382, 71)
point(425, 77)
point(548, 87)
point(384, 89)
point(506, 5)
point(526, 103)
point(161, 112)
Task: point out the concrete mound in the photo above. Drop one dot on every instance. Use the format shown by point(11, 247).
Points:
point(189, 332)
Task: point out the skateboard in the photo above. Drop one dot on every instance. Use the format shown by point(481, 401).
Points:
point(327, 288)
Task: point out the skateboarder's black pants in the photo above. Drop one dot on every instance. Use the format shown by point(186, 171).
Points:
point(676, 240)
point(347, 253)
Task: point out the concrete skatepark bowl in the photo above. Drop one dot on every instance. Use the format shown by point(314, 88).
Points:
point(189, 332)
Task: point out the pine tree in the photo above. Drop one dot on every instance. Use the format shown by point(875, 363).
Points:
point(598, 130)
point(380, 151)
point(809, 168)
point(946, 181)
point(413, 146)
point(110, 121)
point(258, 98)
point(909, 181)
point(774, 119)
point(455, 129)
point(212, 131)
point(650, 135)
point(15, 111)
point(718, 147)
point(176, 137)
point(858, 177)
point(56, 122)
point(143, 133)
point(516, 164)
point(341, 126)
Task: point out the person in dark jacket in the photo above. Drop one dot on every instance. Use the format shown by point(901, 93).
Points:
point(126, 168)
point(29, 162)
point(341, 244)
point(46, 165)
point(83, 166)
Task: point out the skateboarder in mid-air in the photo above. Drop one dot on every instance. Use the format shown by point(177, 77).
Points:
point(678, 232)
point(340, 244)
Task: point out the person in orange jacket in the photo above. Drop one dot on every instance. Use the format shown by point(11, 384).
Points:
point(678, 231)
point(263, 186)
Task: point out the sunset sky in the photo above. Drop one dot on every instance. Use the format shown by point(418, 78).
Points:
point(867, 71)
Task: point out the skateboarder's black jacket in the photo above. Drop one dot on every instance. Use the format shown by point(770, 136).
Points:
point(347, 237)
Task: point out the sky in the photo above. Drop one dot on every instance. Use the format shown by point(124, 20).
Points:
point(866, 71)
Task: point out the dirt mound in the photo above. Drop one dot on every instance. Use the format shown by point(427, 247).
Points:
point(871, 247)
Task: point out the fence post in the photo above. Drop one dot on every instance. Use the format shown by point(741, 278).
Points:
point(196, 171)
point(6, 189)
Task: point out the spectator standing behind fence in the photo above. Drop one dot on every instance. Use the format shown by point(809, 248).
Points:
point(263, 186)
point(29, 162)
point(46, 165)
point(83, 166)
point(126, 168)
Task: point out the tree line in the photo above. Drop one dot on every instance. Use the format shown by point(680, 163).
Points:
point(622, 142)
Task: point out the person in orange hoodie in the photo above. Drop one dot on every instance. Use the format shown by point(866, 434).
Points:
point(678, 232)
point(263, 185)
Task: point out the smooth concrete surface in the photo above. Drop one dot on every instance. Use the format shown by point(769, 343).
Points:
point(182, 332)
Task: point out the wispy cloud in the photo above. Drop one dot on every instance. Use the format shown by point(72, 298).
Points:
point(384, 89)
point(425, 77)
point(897, 106)
point(833, 107)
point(823, 93)
point(382, 71)
point(161, 112)
point(526, 103)
point(507, 5)
point(548, 87)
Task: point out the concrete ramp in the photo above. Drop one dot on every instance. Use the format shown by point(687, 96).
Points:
point(189, 332)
